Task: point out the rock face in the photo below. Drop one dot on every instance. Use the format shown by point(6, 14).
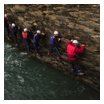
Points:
point(73, 21)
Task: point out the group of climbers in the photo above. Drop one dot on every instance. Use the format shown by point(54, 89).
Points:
point(72, 48)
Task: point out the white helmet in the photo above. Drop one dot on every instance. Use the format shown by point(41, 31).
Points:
point(56, 32)
point(25, 29)
point(75, 41)
point(38, 31)
point(5, 15)
point(13, 25)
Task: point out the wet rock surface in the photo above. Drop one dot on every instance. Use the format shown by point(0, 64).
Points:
point(74, 21)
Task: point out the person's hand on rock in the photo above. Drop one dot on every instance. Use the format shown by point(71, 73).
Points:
point(58, 39)
point(43, 33)
point(71, 40)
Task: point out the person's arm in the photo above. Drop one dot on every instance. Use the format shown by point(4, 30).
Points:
point(41, 36)
point(69, 43)
point(29, 34)
point(77, 50)
point(15, 30)
point(55, 40)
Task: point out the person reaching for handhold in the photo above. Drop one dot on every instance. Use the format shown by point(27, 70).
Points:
point(53, 41)
point(72, 50)
point(15, 29)
point(36, 39)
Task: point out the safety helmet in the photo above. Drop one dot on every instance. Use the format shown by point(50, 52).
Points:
point(55, 32)
point(75, 41)
point(5, 15)
point(38, 31)
point(13, 25)
point(25, 29)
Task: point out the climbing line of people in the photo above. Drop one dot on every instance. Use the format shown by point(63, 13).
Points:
point(72, 48)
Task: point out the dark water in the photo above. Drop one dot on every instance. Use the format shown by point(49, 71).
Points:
point(28, 78)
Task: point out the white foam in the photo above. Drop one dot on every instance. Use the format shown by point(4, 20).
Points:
point(21, 79)
point(23, 53)
point(6, 75)
point(9, 57)
point(8, 46)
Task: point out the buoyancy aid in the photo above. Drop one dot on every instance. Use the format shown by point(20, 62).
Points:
point(24, 35)
point(71, 52)
point(51, 39)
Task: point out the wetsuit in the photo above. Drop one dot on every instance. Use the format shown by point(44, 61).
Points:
point(36, 39)
point(53, 42)
point(6, 26)
point(14, 33)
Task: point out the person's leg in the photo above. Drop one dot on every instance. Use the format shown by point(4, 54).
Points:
point(72, 65)
point(51, 48)
point(36, 48)
point(76, 63)
point(7, 31)
point(28, 46)
point(15, 38)
point(35, 44)
point(78, 67)
point(25, 41)
point(39, 47)
point(57, 52)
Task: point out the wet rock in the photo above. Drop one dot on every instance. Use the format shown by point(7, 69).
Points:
point(35, 24)
point(74, 21)
point(74, 14)
point(36, 14)
point(18, 8)
point(71, 25)
point(21, 19)
point(84, 28)
point(59, 8)
point(48, 12)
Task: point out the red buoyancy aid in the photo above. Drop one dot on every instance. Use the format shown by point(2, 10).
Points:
point(24, 35)
point(6, 20)
point(71, 52)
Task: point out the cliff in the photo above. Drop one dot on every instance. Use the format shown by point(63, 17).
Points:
point(73, 21)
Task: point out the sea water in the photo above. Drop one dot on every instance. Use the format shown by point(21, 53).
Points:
point(27, 78)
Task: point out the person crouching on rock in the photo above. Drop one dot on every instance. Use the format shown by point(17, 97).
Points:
point(72, 49)
point(36, 39)
point(53, 41)
point(26, 33)
point(15, 29)
point(6, 26)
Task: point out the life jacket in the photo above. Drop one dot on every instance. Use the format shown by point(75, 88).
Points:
point(25, 35)
point(51, 39)
point(71, 52)
point(6, 20)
